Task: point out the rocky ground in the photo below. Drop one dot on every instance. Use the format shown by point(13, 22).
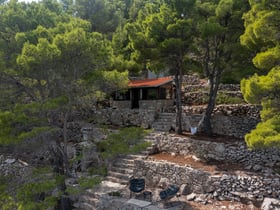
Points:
point(16, 167)
point(191, 201)
point(214, 167)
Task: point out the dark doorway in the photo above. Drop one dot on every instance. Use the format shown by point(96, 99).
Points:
point(135, 93)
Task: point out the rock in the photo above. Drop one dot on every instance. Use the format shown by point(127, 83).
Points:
point(220, 149)
point(163, 183)
point(270, 204)
point(215, 194)
point(10, 161)
point(257, 167)
point(185, 189)
point(191, 197)
point(248, 167)
point(200, 199)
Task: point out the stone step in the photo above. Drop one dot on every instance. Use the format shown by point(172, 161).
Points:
point(149, 138)
point(122, 170)
point(135, 156)
point(108, 187)
point(84, 206)
point(167, 114)
point(116, 180)
point(88, 199)
point(166, 117)
point(162, 123)
point(166, 121)
point(123, 165)
point(120, 175)
point(161, 127)
point(126, 160)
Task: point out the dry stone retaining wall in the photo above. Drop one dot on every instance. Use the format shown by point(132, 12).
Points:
point(232, 151)
point(221, 187)
point(255, 185)
point(229, 120)
point(125, 117)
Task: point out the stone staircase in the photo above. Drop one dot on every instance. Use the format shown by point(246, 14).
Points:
point(86, 201)
point(122, 169)
point(117, 179)
point(164, 122)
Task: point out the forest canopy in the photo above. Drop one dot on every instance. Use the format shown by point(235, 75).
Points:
point(61, 57)
point(262, 37)
point(68, 48)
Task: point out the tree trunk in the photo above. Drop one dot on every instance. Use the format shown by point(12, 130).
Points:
point(178, 83)
point(214, 86)
point(65, 143)
point(214, 74)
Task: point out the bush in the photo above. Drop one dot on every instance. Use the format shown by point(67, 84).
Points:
point(89, 182)
point(126, 141)
point(266, 134)
point(224, 98)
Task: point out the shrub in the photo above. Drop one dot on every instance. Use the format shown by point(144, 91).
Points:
point(126, 141)
point(224, 98)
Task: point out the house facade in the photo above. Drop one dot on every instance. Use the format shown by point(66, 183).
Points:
point(152, 94)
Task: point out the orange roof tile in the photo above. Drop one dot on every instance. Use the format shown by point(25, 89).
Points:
point(149, 82)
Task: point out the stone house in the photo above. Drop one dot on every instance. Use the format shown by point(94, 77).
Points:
point(149, 94)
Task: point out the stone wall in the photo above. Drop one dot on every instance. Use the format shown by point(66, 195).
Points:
point(221, 187)
point(234, 151)
point(157, 105)
point(229, 120)
point(260, 182)
point(125, 117)
point(121, 104)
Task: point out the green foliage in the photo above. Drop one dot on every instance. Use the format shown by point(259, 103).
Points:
point(108, 81)
point(266, 134)
point(115, 193)
point(224, 8)
point(84, 183)
point(37, 195)
point(126, 141)
point(259, 89)
point(224, 98)
point(26, 120)
point(34, 132)
point(6, 128)
point(89, 182)
point(7, 202)
point(261, 34)
point(264, 90)
point(101, 170)
point(267, 59)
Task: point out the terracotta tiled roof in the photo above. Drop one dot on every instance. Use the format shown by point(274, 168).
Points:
point(149, 82)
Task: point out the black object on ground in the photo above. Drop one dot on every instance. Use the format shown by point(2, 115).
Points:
point(169, 192)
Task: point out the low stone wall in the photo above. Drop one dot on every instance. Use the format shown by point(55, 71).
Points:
point(125, 117)
point(221, 187)
point(260, 182)
point(201, 97)
point(230, 151)
point(229, 120)
point(233, 126)
point(157, 105)
point(121, 104)
point(197, 94)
